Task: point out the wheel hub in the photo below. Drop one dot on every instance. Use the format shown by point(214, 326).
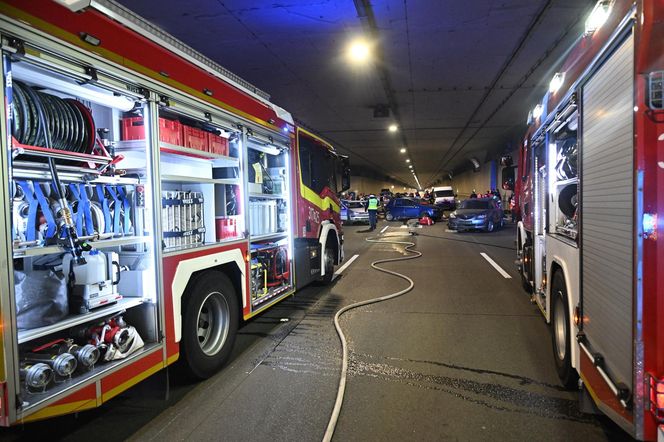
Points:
point(213, 323)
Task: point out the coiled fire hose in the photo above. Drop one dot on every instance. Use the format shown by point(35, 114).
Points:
point(329, 432)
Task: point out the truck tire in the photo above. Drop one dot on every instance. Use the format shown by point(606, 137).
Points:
point(210, 320)
point(561, 332)
point(328, 262)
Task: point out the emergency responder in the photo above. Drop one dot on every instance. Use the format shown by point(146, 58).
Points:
point(372, 208)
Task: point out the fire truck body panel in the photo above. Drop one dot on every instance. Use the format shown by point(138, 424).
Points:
point(259, 250)
point(594, 220)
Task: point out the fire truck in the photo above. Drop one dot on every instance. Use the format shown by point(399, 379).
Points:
point(151, 201)
point(590, 189)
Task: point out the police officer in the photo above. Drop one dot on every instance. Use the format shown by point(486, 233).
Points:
point(372, 208)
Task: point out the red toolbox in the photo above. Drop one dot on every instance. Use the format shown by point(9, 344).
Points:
point(170, 131)
point(218, 145)
point(226, 227)
point(195, 138)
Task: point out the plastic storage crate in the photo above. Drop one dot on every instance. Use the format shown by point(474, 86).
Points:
point(170, 131)
point(217, 144)
point(195, 138)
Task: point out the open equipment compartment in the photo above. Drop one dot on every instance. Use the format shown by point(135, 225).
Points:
point(84, 263)
point(269, 219)
point(200, 174)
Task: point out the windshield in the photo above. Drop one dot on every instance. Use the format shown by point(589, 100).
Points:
point(354, 204)
point(443, 193)
point(474, 204)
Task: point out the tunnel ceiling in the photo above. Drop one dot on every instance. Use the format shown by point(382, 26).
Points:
point(459, 76)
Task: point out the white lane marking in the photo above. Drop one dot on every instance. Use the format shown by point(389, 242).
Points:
point(384, 229)
point(345, 266)
point(496, 266)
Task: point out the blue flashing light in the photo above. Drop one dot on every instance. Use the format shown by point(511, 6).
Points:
point(650, 225)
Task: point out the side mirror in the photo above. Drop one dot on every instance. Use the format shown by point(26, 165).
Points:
point(345, 174)
point(508, 178)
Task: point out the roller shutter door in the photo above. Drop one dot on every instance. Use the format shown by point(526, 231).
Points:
point(607, 162)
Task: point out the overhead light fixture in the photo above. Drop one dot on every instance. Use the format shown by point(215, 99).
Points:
point(393, 128)
point(402, 150)
point(85, 92)
point(598, 16)
point(74, 5)
point(556, 82)
point(408, 160)
point(537, 111)
point(359, 51)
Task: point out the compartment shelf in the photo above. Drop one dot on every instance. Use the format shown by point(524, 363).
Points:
point(267, 196)
point(74, 320)
point(33, 400)
point(40, 171)
point(110, 242)
point(268, 236)
point(179, 150)
point(189, 179)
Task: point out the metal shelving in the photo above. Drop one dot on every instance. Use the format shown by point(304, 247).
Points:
point(74, 320)
point(269, 236)
point(267, 196)
point(189, 179)
point(101, 243)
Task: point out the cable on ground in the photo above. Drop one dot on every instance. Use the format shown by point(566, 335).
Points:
point(329, 432)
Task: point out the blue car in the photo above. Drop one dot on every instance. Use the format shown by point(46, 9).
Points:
point(407, 208)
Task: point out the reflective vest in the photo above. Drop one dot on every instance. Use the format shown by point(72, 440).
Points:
point(373, 204)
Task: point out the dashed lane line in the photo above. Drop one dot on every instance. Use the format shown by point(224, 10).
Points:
point(496, 266)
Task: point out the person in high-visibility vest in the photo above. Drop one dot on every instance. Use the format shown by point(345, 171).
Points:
point(372, 208)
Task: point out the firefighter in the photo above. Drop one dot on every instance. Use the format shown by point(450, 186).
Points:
point(372, 208)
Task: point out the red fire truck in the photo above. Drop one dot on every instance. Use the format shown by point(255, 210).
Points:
point(591, 193)
point(152, 200)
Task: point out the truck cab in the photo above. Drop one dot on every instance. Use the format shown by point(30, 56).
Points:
point(444, 197)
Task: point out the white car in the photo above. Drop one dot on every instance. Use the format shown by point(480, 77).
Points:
point(354, 212)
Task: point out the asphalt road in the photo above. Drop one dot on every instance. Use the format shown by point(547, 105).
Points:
point(463, 356)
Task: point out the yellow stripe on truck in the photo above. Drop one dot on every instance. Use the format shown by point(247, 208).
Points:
point(306, 192)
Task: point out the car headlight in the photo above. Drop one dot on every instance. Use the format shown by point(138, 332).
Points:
point(481, 216)
point(452, 215)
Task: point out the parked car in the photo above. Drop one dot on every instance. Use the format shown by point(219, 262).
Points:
point(353, 212)
point(406, 208)
point(476, 213)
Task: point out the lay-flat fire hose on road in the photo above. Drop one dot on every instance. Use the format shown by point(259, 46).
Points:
point(329, 432)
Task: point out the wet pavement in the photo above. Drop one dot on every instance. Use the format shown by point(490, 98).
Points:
point(463, 356)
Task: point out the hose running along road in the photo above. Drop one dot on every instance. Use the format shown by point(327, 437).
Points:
point(329, 432)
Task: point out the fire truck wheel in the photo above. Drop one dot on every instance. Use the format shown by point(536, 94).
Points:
point(209, 324)
point(328, 260)
point(560, 331)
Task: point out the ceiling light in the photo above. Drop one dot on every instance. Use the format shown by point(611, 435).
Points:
point(598, 16)
point(359, 51)
point(556, 82)
point(402, 150)
point(393, 128)
point(408, 160)
point(537, 111)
